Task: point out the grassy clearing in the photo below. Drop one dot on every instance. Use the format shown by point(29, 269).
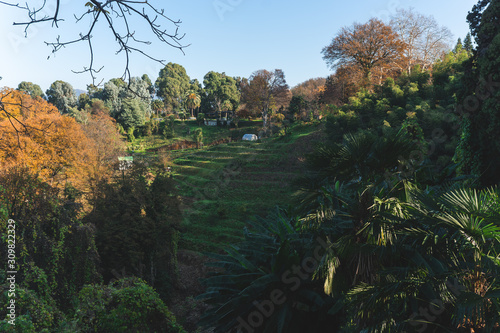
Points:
point(226, 185)
point(184, 131)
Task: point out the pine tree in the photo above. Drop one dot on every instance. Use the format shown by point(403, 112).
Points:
point(468, 44)
point(458, 47)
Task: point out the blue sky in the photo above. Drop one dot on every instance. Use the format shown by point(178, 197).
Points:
point(237, 37)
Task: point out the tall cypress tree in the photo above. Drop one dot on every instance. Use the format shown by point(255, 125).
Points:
point(479, 103)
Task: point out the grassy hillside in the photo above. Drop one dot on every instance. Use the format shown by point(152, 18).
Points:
point(184, 131)
point(226, 185)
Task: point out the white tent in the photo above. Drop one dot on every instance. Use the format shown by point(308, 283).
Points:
point(250, 137)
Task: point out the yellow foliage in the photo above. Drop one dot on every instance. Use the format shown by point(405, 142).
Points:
point(411, 115)
point(11, 102)
point(279, 117)
point(35, 135)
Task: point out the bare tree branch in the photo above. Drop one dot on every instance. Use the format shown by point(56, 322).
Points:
point(122, 11)
point(426, 40)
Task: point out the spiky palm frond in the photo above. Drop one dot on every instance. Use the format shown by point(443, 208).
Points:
point(460, 229)
point(485, 203)
point(268, 276)
point(365, 158)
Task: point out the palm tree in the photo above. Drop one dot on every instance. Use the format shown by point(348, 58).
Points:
point(396, 258)
point(225, 107)
point(355, 197)
point(193, 101)
point(262, 285)
point(157, 106)
point(466, 231)
point(365, 158)
point(444, 266)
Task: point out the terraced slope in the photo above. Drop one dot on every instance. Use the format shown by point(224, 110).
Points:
point(226, 185)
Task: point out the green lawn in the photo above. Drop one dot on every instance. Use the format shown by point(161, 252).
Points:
point(184, 131)
point(223, 186)
point(226, 185)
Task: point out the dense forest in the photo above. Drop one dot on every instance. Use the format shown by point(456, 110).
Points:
point(368, 202)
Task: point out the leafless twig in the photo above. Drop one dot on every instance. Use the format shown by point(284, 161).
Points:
point(117, 15)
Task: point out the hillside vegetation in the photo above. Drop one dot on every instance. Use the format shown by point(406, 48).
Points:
point(369, 202)
point(225, 185)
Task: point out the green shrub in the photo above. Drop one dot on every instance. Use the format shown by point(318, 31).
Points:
point(198, 136)
point(342, 123)
point(200, 118)
point(33, 313)
point(130, 134)
point(167, 128)
point(127, 305)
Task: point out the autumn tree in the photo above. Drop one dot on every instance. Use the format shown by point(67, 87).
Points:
point(266, 92)
point(97, 107)
point(11, 102)
point(41, 139)
point(103, 147)
point(310, 89)
point(426, 41)
point(341, 85)
point(306, 96)
point(369, 47)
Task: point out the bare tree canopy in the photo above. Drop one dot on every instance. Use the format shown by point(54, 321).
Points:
point(120, 16)
point(368, 46)
point(426, 40)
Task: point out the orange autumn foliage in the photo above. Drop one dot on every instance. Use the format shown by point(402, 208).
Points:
point(103, 148)
point(33, 134)
point(11, 101)
point(373, 49)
